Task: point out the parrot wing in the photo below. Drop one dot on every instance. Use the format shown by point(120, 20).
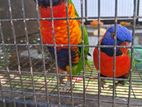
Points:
point(76, 69)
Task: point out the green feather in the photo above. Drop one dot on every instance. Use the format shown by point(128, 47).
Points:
point(77, 68)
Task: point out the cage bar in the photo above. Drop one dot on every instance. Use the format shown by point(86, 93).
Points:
point(30, 76)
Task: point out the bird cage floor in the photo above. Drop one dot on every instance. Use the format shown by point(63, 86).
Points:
point(39, 85)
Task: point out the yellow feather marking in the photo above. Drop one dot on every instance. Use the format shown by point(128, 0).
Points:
point(68, 69)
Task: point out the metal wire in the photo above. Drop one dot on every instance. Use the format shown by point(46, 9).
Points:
point(1, 89)
point(83, 55)
point(55, 51)
point(115, 44)
point(43, 56)
point(14, 36)
point(132, 51)
point(69, 52)
point(78, 18)
point(29, 55)
point(42, 86)
point(99, 57)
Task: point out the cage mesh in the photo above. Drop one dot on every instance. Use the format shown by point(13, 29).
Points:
point(29, 76)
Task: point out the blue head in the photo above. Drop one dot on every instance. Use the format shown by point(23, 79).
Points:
point(122, 35)
point(47, 2)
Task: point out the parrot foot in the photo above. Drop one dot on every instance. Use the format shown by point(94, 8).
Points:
point(102, 83)
point(62, 77)
point(121, 82)
point(66, 86)
point(111, 86)
point(61, 80)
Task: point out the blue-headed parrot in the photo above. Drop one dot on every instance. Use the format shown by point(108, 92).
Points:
point(123, 61)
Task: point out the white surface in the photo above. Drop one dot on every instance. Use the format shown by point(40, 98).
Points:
point(92, 41)
point(125, 7)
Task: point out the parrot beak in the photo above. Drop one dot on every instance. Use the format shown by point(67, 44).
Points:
point(124, 50)
point(126, 43)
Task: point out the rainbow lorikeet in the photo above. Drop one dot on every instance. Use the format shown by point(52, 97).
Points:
point(61, 34)
point(124, 37)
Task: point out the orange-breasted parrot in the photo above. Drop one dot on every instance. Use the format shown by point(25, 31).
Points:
point(124, 37)
point(61, 34)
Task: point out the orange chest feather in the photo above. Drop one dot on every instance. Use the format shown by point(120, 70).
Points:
point(58, 29)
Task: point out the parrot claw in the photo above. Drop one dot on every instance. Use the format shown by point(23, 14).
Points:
point(111, 87)
point(102, 83)
point(67, 86)
point(121, 83)
point(61, 79)
point(117, 84)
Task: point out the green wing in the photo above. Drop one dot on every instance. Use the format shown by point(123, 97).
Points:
point(77, 68)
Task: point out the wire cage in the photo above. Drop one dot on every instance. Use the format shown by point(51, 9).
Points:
point(29, 74)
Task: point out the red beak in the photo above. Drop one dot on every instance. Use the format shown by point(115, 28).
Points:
point(124, 50)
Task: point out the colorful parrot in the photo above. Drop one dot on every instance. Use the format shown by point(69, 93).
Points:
point(61, 34)
point(124, 37)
